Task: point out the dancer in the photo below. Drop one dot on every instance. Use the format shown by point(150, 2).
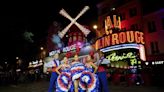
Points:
point(64, 78)
point(76, 71)
point(89, 81)
point(54, 75)
point(90, 65)
point(102, 75)
point(48, 64)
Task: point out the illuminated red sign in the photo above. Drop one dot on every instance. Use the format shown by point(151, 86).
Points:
point(120, 38)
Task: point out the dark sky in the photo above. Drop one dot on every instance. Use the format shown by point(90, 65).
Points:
point(36, 16)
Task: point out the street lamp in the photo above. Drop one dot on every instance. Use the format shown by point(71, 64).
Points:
point(17, 57)
point(6, 62)
point(42, 52)
point(95, 27)
point(41, 48)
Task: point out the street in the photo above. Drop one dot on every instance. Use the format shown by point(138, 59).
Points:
point(42, 86)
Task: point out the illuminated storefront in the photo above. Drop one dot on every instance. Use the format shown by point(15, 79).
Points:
point(124, 49)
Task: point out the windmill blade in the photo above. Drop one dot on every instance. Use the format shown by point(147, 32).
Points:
point(82, 12)
point(65, 14)
point(73, 21)
point(83, 29)
point(64, 31)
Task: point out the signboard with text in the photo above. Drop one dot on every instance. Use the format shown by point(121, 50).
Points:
point(123, 58)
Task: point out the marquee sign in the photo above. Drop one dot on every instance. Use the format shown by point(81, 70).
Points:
point(113, 57)
point(123, 58)
point(123, 48)
point(120, 38)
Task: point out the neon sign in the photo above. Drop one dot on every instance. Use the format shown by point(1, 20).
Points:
point(66, 49)
point(120, 38)
point(114, 57)
point(109, 25)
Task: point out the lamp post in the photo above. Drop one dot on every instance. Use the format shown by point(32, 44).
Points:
point(43, 53)
point(41, 48)
point(18, 61)
point(17, 58)
point(95, 27)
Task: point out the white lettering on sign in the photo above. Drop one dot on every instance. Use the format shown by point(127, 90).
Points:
point(157, 62)
point(66, 49)
point(53, 52)
point(69, 48)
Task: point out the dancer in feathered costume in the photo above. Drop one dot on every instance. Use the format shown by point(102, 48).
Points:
point(52, 69)
point(76, 71)
point(64, 78)
point(101, 72)
point(89, 81)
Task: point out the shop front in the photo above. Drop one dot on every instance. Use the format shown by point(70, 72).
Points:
point(125, 51)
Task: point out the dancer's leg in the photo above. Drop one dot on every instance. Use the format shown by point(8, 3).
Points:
point(52, 81)
point(104, 81)
point(76, 82)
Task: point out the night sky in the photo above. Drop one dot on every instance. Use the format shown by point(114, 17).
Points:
point(36, 16)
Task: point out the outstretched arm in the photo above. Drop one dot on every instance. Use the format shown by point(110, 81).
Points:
point(57, 69)
point(94, 66)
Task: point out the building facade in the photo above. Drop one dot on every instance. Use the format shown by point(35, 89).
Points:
point(137, 16)
point(134, 16)
point(153, 26)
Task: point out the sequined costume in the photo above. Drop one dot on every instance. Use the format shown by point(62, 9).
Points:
point(64, 80)
point(88, 80)
point(76, 70)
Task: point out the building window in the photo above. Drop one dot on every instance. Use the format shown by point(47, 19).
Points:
point(75, 34)
point(70, 39)
point(74, 38)
point(157, 47)
point(133, 12)
point(154, 47)
point(84, 40)
point(123, 16)
point(151, 26)
point(163, 23)
point(80, 38)
point(134, 27)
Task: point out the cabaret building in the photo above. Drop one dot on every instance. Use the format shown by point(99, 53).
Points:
point(73, 38)
point(125, 49)
point(116, 39)
point(136, 16)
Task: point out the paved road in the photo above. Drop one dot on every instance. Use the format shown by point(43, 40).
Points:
point(41, 86)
